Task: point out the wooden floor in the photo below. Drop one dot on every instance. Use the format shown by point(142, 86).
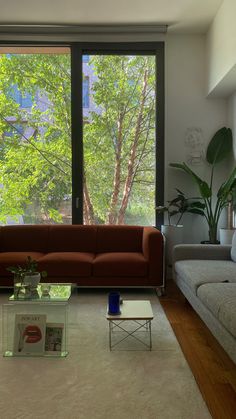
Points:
point(213, 370)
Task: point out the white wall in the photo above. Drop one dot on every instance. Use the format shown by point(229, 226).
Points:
point(221, 46)
point(187, 106)
point(221, 64)
point(231, 114)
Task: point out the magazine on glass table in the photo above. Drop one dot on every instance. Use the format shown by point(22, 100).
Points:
point(54, 338)
point(34, 336)
point(29, 336)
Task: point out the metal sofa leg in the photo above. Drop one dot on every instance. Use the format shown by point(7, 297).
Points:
point(160, 291)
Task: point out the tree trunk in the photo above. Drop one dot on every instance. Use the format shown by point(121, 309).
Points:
point(133, 151)
point(112, 216)
point(88, 211)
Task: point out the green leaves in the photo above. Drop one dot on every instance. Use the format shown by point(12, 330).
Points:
point(29, 268)
point(181, 205)
point(35, 168)
point(118, 146)
point(204, 188)
point(227, 187)
point(220, 146)
point(197, 207)
point(218, 149)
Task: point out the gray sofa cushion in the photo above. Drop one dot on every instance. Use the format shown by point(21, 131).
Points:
point(233, 248)
point(220, 299)
point(198, 272)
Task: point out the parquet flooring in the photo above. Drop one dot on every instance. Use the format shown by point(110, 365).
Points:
point(213, 370)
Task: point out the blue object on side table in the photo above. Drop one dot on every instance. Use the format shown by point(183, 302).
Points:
point(114, 303)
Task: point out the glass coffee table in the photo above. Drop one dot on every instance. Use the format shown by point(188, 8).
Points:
point(36, 324)
point(136, 312)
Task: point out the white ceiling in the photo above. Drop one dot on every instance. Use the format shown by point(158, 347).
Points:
point(181, 16)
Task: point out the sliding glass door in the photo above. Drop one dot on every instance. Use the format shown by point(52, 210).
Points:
point(119, 139)
point(35, 132)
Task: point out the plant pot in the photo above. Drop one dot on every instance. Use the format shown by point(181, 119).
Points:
point(32, 280)
point(226, 235)
point(173, 235)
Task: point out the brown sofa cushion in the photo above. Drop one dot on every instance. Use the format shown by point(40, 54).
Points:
point(153, 248)
point(120, 264)
point(22, 238)
point(119, 238)
point(67, 264)
point(15, 258)
point(72, 238)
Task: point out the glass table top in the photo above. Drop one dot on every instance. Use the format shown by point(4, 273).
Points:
point(43, 293)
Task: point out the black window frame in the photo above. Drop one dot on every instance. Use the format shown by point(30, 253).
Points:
point(78, 49)
point(117, 48)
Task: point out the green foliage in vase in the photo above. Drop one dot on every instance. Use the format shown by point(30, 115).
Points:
point(179, 206)
point(218, 149)
point(30, 267)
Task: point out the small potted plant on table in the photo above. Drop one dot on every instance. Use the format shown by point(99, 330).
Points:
point(26, 276)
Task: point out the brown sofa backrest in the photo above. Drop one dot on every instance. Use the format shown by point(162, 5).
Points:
point(119, 238)
point(20, 238)
point(72, 238)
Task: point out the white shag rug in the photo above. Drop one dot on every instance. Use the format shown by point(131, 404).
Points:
point(94, 383)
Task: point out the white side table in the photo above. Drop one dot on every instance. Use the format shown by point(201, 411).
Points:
point(138, 311)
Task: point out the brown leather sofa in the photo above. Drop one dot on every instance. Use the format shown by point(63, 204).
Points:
point(98, 255)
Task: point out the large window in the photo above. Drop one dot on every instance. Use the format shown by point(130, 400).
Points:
point(119, 140)
point(100, 163)
point(35, 135)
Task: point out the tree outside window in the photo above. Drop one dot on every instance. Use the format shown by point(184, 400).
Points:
point(119, 139)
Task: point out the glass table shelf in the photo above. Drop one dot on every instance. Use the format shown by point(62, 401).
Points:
point(37, 323)
point(43, 293)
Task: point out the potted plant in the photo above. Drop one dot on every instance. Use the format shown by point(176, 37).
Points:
point(173, 232)
point(180, 205)
point(226, 234)
point(27, 274)
point(218, 149)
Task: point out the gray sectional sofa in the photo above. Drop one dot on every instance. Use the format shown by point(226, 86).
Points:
point(206, 275)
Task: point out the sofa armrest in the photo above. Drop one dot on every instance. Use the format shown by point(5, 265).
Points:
point(201, 252)
point(153, 248)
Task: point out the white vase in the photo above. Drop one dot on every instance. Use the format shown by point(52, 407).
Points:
point(226, 235)
point(32, 280)
point(173, 235)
